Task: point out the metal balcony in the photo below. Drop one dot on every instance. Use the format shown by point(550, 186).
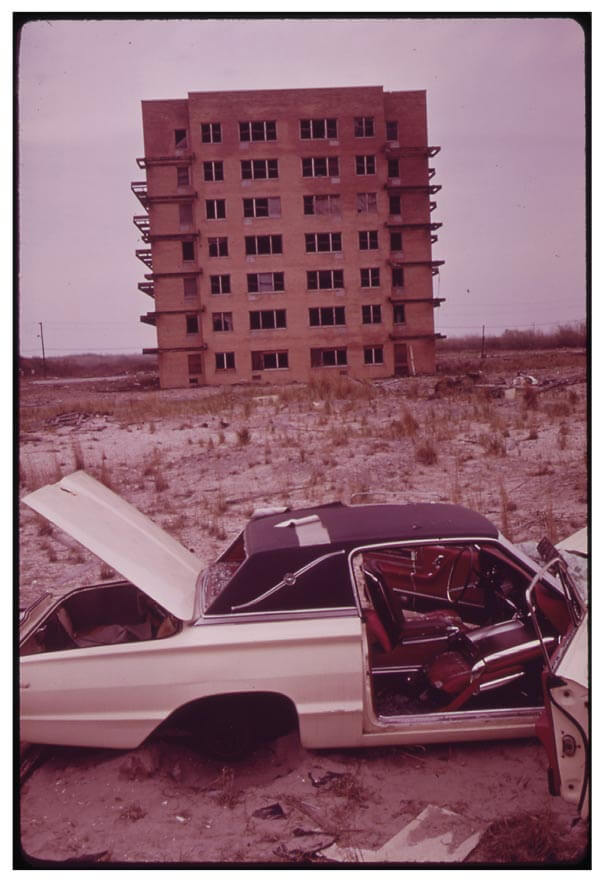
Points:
point(427, 188)
point(142, 222)
point(140, 189)
point(148, 318)
point(147, 288)
point(406, 151)
point(170, 160)
point(435, 265)
point(145, 256)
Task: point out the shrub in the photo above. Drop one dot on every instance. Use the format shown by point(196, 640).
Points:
point(426, 454)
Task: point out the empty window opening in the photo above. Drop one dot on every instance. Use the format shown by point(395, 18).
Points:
point(270, 244)
point(264, 360)
point(222, 322)
point(326, 316)
point(213, 170)
point(325, 279)
point(371, 314)
point(399, 314)
point(318, 128)
point(365, 165)
point(252, 169)
point(215, 209)
point(183, 176)
point(188, 251)
point(373, 355)
point(220, 284)
point(320, 167)
point(320, 357)
point(369, 277)
point(397, 276)
point(366, 202)
point(225, 361)
point(395, 205)
point(323, 242)
point(367, 239)
point(211, 133)
point(396, 241)
point(191, 324)
point(322, 204)
point(258, 130)
point(190, 287)
point(266, 319)
point(263, 207)
point(181, 142)
point(364, 127)
point(217, 246)
point(265, 282)
point(391, 130)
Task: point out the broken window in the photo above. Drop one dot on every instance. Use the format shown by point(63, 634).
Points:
point(211, 133)
point(323, 242)
point(391, 130)
point(373, 355)
point(220, 284)
point(326, 316)
point(224, 361)
point(320, 167)
point(395, 205)
point(367, 239)
point(265, 282)
point(397, 276)
point(369, 277)
point(261, 319)
point(266, 359)
point(215, 209)
point(399, 314)
point(186, 215)
point(371, 314)
point(320, 357)
point(191, 324)
point(258, 130)
point(252, 169)
point(322, 204)
point(188, 251)
point(393, 168)
point(262, 207)
point(217, 246)
point(213, 170)
point(396, 241)
point(190, 287)
point(364, 127)
point(181, 139)
point(194, 363)
point(270, 244)
point(183, 176)
point(366, 202)
point(222, 322)
point(325, 279)
point(319, 128)
point(365, 165)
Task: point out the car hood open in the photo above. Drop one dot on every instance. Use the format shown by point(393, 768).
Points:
point(124, 538)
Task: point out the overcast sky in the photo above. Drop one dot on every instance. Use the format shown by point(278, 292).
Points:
point(505, 102)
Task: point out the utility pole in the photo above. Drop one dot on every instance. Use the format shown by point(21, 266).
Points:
point(41, 335)
point(483, 341)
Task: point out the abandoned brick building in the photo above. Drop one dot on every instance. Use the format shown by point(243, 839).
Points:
point(288, 233)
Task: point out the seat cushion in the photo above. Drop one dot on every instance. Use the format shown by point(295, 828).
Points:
point(450, 672)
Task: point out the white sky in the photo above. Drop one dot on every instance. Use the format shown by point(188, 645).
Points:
point(505, 102)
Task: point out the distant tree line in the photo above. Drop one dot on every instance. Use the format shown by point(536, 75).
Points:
point(87, 365)
point(528, 339)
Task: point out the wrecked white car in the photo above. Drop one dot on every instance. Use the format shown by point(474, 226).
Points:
point(360, 625)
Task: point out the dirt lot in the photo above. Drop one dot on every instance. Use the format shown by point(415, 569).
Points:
point(198, 462)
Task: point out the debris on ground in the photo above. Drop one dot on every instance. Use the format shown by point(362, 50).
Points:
point(270, 812)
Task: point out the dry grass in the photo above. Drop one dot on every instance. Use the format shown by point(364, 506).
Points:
point(529, 839)
point(426, 454)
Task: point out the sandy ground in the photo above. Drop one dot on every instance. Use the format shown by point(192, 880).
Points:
point(198, 462)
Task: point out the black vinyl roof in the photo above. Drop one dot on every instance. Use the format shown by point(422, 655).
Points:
point(354, 525)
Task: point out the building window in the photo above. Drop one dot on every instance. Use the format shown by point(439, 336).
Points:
point(194, 363)
point(217, 246)
point(369, 277)
point(254, 169)
point(323, 242)
point(211, 133)
point(395, 205)
point(396, 241)
point(183, 176)
point(326, 316)
point(225, 361)
point(320, 128)
point(365, 165)
point(186, 215)
point(220, 284)
point(373, 355)
point(270, 244)
point(263, 319)
point(191, 324)
point(364, 127)
point(265, 360)
point(320, 167)
point(190, 287)
point(181, 139)
point(371, 314)
point(215, 209)
point(393, 168)
point(399, 314)
point(367, 239)
point(188, 252)
point(366, 202)
point(265, 282)
point(263, 207)
point(258, 130)
point(397, 276)
point(324, 279)
point(391, 130)
point(322, 204)
point(213, 170)
point(222, 322)
point(326, 357)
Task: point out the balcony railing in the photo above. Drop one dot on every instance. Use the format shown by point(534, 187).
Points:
point(147, 288)
point(170, 160)
point(142, 222)
point(145, 256)
point(406, 151)
point(140, 189)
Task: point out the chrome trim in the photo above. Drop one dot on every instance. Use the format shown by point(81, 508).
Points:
point(395, 670)
point(434, 638)
point(265, 616)
point(286, 580)
point(460, 714)
point(498, 682)
point(508, 652)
